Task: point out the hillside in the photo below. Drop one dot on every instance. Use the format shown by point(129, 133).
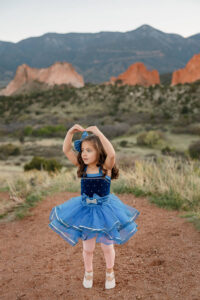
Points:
point(116, 109)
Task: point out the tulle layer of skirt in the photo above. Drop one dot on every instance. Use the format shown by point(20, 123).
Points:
point(111, 222)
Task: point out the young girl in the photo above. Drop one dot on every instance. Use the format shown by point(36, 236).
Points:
point(96, 216)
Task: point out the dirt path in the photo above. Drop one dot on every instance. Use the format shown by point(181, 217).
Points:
point(161, 261)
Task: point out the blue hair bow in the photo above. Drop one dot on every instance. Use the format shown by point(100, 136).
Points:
point(77, 143)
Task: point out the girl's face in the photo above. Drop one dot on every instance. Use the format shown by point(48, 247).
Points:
point(88, 153)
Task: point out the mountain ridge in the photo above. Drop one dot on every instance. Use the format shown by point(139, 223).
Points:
point(98, 56)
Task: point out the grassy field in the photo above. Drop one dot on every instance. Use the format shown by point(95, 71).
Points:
point(179, 141)
point(52, 147)
point(169, 183)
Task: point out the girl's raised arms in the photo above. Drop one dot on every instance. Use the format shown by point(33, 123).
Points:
point(67, 145)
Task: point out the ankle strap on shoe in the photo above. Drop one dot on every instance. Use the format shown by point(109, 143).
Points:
point(110, 274)
point(88, 273)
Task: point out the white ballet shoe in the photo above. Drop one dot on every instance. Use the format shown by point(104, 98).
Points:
point(110, 280)
point(88, 279)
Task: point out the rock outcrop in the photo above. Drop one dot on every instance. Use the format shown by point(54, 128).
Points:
point(137, 74)
point(190, 73)
point(58, 73)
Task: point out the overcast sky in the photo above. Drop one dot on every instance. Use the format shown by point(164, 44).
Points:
point(20, 19)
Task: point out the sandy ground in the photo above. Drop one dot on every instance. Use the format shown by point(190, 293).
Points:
point(161, 261)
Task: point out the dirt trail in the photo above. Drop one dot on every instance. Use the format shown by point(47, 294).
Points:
point(161, 261)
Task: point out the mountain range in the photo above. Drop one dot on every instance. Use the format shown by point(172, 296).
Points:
point(98, 56)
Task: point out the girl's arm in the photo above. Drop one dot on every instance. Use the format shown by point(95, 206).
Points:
point(67, 145)
point(108, 147)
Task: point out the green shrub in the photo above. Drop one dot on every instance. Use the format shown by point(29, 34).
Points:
point(46, 131)
point(123, 143)
point(9, 149)
point(49, 131)
point(150, 138)
point(167, 150)
point(160, 100)
point(28, 130)
point(167, 114)
point(40, 163)
point(194, 150)
point(185, 110)
point(118, 81)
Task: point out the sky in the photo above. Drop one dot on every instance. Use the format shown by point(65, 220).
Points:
point(21, 19)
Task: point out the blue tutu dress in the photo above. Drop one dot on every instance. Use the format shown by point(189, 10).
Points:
point(95, 213)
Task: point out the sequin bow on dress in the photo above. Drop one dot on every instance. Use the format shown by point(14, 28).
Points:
point(77, 143)
point(96, 199)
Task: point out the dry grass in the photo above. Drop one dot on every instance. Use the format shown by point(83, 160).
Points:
point(27, 188)
point(170, 183)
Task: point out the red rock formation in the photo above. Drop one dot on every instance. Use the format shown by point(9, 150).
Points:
point(138, 74)
point(58, 73)
point(190, 73)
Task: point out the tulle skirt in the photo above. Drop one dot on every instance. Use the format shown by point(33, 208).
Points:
point(111, 221)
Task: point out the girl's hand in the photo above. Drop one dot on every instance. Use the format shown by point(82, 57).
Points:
point(93, 129)
point(76, 128)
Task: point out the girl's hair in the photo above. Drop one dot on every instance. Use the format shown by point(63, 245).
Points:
point(94, 139)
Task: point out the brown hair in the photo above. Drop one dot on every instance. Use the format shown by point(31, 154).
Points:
point(94, 139)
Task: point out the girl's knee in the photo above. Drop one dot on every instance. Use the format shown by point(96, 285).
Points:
point(88, 252)
point(107, 248)
point(89, 245)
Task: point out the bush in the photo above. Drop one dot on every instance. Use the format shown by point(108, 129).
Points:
point(150, 138)
point(167, 150)
point(28, 130)
point(40, 163)
point(194, 150)
point(9, 149)
point(185, 110)
point(123, 143)
point(118, 81)
point(50, 131)
point(46, 131)
point(167, 115)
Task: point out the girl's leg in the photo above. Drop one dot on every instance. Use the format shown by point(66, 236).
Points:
point(109, 255)
point(88, 249)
